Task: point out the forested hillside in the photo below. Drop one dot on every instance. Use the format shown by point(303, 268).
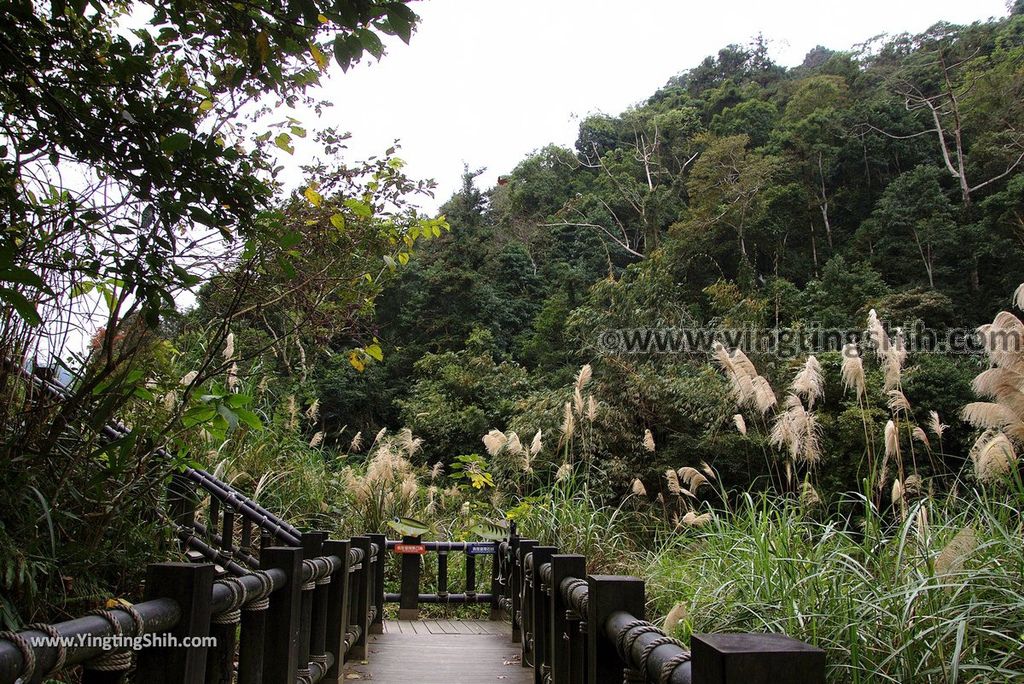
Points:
point(741, 193)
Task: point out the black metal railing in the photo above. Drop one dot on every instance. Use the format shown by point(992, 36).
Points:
point(411, 550)
point(577, 628)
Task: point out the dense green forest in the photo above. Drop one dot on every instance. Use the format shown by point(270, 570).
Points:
point(742, 193)
point(349, 358)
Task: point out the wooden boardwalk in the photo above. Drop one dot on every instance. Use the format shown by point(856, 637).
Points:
point(442, 652)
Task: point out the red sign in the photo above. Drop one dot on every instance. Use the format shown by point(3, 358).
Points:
point(410, 548)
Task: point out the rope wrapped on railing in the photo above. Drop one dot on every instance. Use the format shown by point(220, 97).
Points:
point(576, 595)
point(19, 660)
point(649, 654)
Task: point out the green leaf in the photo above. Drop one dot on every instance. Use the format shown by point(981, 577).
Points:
point(198, 414)
point(359, 208)
point(344, 51)
point(237, 401)
point(401, 19)
point(284, 141)
point(371, 42)
point(22, 305)
point(175, 142)
point(376, 352)
point(249, 418)
point(290, 239)
point(338, 221)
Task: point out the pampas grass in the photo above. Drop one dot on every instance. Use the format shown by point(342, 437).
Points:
point(692, 519)
point(637, 488)
point(536, 445)
point(568, 422)
point(898, 402)
point(229, 347)
point(1018, 297)
point(809, 382)
point(993, 457)
point(564, 471)
point(852, 371)
point(494, 441)
point(740, 424)
point(648, 441)
point(692, 478)
point(672, 481)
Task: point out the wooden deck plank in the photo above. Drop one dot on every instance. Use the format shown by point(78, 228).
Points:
point(442, 652)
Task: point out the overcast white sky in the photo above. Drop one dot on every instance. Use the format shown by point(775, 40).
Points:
point(487, 81)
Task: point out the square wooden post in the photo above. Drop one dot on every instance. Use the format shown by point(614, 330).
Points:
point(338, 610)
point(755, 659)
point(191, 586)
point(281, 647)
point(379, 566)
point(566, 642)
point(608, 594)
point(361, 599)
point(408, 607)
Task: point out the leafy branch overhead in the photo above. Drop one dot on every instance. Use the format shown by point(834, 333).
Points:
point(150, 119)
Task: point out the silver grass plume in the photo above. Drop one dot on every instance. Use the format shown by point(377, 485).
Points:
point(536, 445)
point(809, 382)
point(672, 481)
point(740, 424)
point(993, 457)
point(648, 441)
point(494, 441)
point(229, 347)
point(852, 370)
point(936, 426)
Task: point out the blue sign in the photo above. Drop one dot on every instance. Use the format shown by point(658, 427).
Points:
point(479, 548)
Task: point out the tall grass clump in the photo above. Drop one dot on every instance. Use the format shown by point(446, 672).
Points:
point(936, 598)
point(572, 517)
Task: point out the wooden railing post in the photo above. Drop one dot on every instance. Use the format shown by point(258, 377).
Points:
point(515, 587)
point(495, 584)
point(220, 661)
point(379, 566)
point(755, 659)
point(541, 618)
point(361, 599)
point(566, 652)
point(338, 610)
point(470, 574)
point(525, 601)
point(408, 606)
point(312, 545)
point(191, 586)
point(252, 636)
point(281, 652)
point(442, 574)
point(608, 594)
